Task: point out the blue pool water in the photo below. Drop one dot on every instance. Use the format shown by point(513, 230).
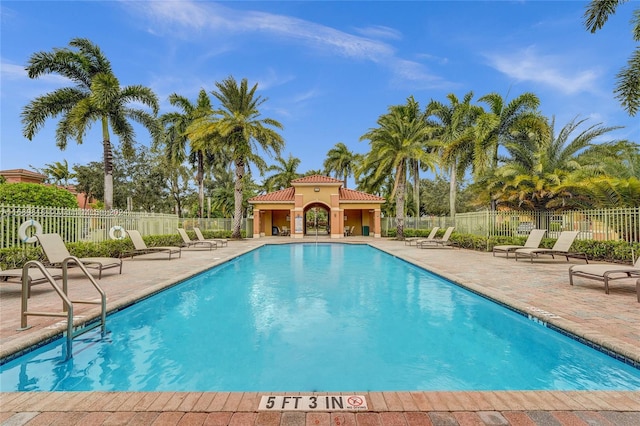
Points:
point(318, 317)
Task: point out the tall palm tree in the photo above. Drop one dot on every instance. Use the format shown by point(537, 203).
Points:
point(95, 96)
point(176, 138)
point(454, 137)
point(286, 171)
point(341, 161)
point(495, 125)
point(398, 139)
point(241, 131)
point(628, 78)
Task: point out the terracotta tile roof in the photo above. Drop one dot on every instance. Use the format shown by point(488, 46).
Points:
point(352, 195)
point(284, 195)
point(316, 179)
point(288, 195)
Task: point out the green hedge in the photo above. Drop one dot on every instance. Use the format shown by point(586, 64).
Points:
point(34, 194)
point(610, 251)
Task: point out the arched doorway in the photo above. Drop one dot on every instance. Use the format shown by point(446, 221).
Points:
point(317, 220)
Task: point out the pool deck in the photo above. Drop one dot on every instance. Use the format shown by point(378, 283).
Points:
point(540, 289)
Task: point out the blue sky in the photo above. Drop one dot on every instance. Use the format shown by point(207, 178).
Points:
point(328, 69)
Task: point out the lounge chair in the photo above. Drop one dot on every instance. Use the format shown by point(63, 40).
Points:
point(56, 253)
point(560, 248)
point(533, 241)
point(348, 230)
point(435, 242)
point(285, 231)
point(222, 241)
point(416, 240)
point(605, 272)
point(188, 242)
point(141, 246)
point(35, 276)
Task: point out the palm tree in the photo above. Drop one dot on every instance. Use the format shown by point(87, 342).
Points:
point(494, 126)
point(222, 199)
point(240, 131)
point(176, 137)
point(398, 139)
point(95, 96)
point(341, 161)
point(286, 172)
point(58, 171)
point(455, 137)
point(544, 172)
point(628, 85)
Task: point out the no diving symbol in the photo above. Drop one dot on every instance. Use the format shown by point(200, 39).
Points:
point(355, 401)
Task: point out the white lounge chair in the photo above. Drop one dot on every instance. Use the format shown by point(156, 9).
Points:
point(606, 272)
point(533, 241)
point(56, 253)
point(188, 242)
point(222, 241)
point(141, 246)
point(414, 240)
point(560, 248)
point(435, 242)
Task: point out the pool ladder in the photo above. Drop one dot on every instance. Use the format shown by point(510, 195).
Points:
point(67, 303)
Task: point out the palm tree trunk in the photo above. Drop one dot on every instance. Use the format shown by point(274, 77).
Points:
point(108, 174)
point(237, 198)
point(400, 203)
point(107, 157)
point(452, 192)
point(416, 189)
point(200, 179)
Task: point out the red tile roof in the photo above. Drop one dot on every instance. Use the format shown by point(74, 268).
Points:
point(284, 195)
point(316, 179)
point(352, 195)
point(288, 196)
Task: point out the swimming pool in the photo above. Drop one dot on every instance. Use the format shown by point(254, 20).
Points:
point(318, 317)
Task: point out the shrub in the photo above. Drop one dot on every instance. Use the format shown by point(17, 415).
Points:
point(33, 194)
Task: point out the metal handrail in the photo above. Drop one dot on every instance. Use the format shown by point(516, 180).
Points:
point(67, 303)
point(67, 310)
point(103, 295)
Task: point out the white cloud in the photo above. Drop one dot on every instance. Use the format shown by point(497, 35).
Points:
point(549, 70)
point(12, 71)
point(192, 19)
point(380, 31)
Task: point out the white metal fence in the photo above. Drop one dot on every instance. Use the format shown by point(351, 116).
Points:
point(78, 224)
point(600, 224)
point(218, 224)
point(94, 225)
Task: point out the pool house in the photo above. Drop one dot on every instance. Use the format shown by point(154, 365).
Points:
point(316, 204)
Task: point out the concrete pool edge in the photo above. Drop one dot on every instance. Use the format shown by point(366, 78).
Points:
point(493, 404)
